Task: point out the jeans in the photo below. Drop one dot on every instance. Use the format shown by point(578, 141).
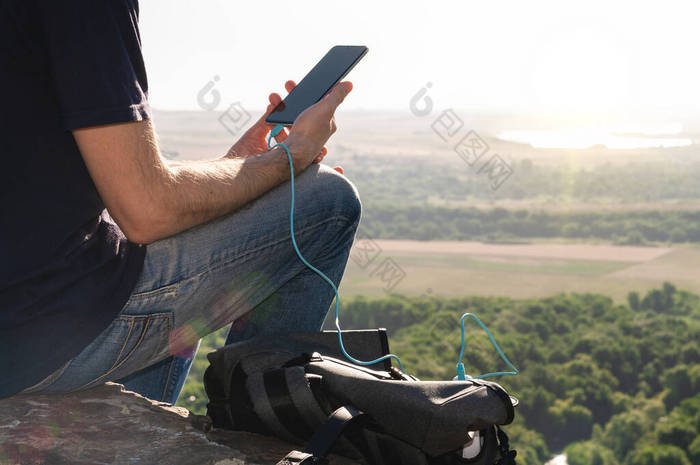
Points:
point(239, 269)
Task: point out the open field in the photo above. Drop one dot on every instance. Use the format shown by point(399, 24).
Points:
point(520, 271)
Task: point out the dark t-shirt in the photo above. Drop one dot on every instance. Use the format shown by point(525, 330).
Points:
point(66, 269)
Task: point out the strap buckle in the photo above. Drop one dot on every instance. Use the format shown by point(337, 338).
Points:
point(296, 457)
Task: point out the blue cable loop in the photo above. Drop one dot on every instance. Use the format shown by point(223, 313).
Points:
point(460, 367)
point(276, 130)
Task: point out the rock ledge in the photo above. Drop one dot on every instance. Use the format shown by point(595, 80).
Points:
point(109, 425)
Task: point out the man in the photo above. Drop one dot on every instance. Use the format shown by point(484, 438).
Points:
point(116, 261)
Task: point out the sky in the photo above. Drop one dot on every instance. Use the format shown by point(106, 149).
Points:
point(592, 57)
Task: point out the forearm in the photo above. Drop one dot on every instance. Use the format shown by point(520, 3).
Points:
point(151, 198)
point(196, 192)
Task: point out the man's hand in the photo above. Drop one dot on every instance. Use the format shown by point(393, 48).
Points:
point(254, 141)
point(313, 127)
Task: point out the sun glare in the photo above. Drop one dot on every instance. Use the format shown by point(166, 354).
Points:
point(585, 67)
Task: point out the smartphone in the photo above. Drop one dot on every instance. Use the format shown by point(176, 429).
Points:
point(333, 67)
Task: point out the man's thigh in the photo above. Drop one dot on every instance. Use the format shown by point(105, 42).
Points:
point(206, 277)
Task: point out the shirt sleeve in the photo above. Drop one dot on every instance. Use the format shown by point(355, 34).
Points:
point(94, 61)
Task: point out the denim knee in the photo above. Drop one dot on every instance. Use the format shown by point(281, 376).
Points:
point(339, 194)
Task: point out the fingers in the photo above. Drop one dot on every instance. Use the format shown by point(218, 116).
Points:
point(289, 85)
point(339, 169)
point(320, 156)
point(275, 100)
point(260, 124)
point(336, 96)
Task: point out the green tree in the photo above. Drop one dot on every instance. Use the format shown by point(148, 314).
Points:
point(694, 451)
point(589, 453)
point(676, 433)
point(658, 455)
point(680, 385)
point(624, 430)
point(570, 422)
point(633, 238)
point(531, 447)
point(633, 300)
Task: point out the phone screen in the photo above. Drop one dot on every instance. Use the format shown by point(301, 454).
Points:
point(327, 73)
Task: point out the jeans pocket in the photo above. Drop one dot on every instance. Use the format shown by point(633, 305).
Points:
point(145, 341)
point(130, 343)
point(46, 382)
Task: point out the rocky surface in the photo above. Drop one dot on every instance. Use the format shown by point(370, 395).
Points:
point(109, 425)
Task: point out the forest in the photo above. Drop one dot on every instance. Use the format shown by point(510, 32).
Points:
point(504, 225)
point(415, 181)
point(636, 203)
point(606, 383)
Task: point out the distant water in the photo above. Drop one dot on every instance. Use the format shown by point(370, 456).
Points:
point(623, 137)
point(558, 460)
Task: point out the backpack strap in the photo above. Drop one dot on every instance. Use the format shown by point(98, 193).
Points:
point(507, 455)
point(323, 439)
point(283, 400)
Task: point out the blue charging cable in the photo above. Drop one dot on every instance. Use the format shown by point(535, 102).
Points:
point(461, 375)
point(276, 130)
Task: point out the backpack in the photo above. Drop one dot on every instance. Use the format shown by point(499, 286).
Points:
point(300, 388)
